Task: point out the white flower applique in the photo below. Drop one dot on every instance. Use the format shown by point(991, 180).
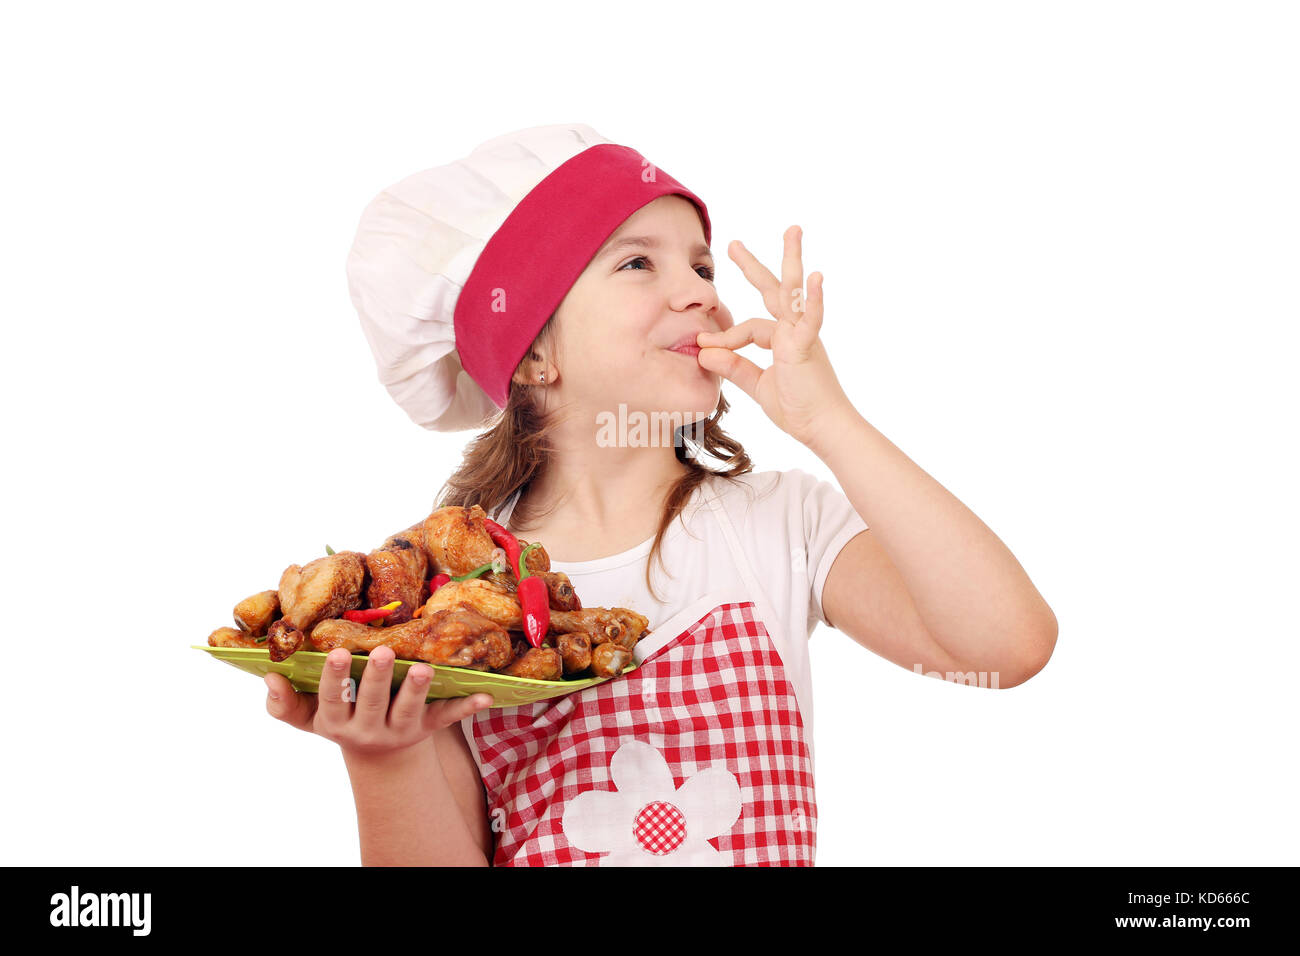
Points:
point(647, 821)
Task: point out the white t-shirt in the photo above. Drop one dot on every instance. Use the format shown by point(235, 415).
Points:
point(791, 525)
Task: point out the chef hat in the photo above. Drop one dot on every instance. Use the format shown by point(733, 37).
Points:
point(455, 270)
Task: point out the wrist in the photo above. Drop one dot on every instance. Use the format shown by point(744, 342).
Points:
point(834, 428)
point(417, 754)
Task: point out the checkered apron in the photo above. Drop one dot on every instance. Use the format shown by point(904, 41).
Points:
point(698, 757)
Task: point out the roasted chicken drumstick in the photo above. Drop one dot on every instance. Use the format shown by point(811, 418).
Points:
point(454, 637)
point(495, 602)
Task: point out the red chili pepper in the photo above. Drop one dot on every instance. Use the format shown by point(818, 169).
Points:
point(435, 582)
point(534, 600)
point(505, 540)
point(371, 614)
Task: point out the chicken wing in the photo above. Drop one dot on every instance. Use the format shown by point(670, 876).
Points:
point(488, 598)
point(254, 614)
point(396, 574)
point(538, 560)
point(283, 639)
point(575, 651)
point(322, 588)
point(453, 637)
point(598, 623)
point(414, 535)
point(537, 663)
point(456, 539)
point(560, 588)
point(609, 659)
point(231, 637)
point(635, 626)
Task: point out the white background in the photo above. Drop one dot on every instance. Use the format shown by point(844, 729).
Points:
point(1060, 247)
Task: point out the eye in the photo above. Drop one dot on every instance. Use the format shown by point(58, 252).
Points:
point(704, 272)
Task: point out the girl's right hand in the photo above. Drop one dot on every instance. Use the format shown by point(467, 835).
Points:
point(374, 725)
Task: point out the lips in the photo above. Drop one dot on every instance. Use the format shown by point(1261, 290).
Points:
point(686, 344)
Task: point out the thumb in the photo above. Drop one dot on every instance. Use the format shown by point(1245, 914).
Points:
point(285, 703)
point(444, 713)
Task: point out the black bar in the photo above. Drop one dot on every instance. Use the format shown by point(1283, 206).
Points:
point(1047, 904)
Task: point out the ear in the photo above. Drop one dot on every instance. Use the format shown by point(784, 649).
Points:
point(525, 368)
point(530, 369)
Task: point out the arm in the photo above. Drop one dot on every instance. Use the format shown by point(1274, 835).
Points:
point(882, 616)
point(930, 580)
point(421, 806)
point(930, 583)
point(418, 794)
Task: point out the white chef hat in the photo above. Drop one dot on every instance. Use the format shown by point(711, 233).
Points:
point(455, 270)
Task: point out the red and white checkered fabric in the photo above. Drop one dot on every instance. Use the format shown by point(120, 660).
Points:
point(714, 698)
point(660, 827)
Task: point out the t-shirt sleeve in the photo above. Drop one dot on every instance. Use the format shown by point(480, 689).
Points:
point(829, 523)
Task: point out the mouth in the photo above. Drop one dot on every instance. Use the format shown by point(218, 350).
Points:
point(688, 350)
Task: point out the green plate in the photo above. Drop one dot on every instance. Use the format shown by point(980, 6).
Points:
point(303, 668)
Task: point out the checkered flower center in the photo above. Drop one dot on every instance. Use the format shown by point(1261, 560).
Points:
point(660, 827)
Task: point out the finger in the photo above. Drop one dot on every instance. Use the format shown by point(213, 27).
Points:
point(792, 274)
point(755, 331)
point(376, 690)
point(444, 713)
point(408, 705)
point(812, 317)
point(285, 703)
point(732, 367)
point(722, 315)
point(335, 677)
point(758, 275)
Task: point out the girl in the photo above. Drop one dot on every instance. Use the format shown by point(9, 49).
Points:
point(590, 309)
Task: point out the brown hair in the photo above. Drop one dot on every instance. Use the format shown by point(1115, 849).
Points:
point(515, 449)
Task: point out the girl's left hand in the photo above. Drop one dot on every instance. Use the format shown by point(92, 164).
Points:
point(799, 392)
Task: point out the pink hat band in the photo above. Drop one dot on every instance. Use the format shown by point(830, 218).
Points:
point(529, 264)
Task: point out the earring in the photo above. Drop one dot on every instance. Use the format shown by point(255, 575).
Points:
point(543, 378)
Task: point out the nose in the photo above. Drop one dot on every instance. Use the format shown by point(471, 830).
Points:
point(699, 292)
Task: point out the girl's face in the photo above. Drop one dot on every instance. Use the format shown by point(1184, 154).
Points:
point(649, 287)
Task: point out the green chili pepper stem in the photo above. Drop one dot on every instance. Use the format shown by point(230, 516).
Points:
point(523, 572)
point(475, 573)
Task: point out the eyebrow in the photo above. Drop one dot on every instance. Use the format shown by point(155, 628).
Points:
point(647, 242)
